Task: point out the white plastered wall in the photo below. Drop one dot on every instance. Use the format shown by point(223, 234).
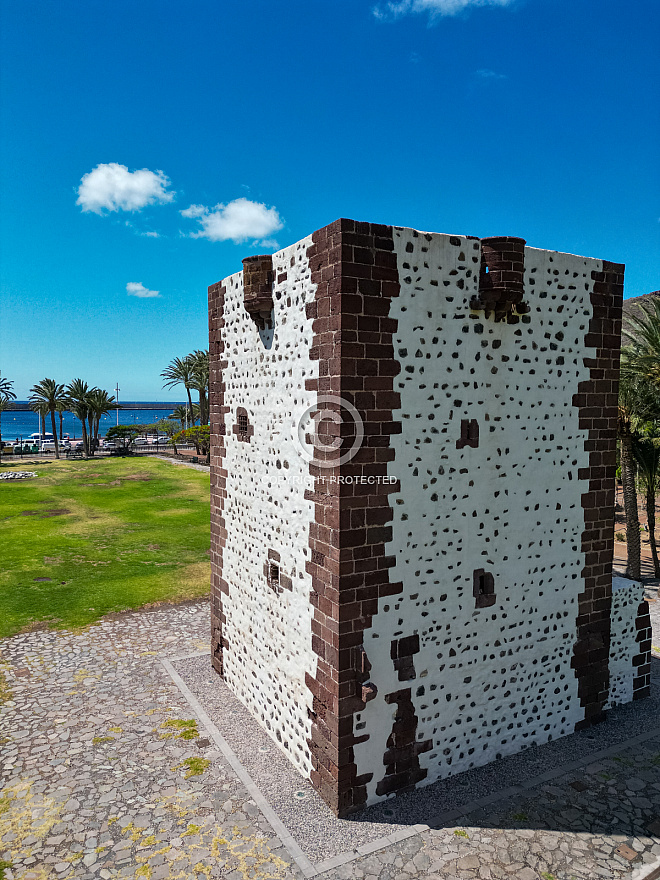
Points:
point(489, 682)
point(626, 598)
point(269, 632)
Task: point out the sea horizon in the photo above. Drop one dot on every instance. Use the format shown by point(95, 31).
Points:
point(18, 425)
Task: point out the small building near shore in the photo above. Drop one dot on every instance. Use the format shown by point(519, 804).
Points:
point(412, 503)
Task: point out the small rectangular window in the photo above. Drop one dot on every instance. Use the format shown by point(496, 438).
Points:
point(469, 434)
point(483, 588)
point(274, 574)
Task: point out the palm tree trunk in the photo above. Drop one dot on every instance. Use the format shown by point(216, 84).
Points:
point(650, 518)
point(57, 445)
point(0, 435)
point(628, 471)
point(190, 408)
point(84, 438)
point(61, 414)
point(90, 436)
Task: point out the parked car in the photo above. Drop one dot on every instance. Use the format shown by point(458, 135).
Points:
point(49, 445)
point(25, 449)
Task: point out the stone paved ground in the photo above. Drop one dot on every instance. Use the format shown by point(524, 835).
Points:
point(106, 774)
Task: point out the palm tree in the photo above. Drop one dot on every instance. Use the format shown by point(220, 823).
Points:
point(180, 372)
point(640, 374)
point(639, 403)
point(46, 396)
point(200, 363)
point(100, 403)
point(647, 455)
point(78, 403)
point(181, 413)
point(643, 350)
point(6, 395)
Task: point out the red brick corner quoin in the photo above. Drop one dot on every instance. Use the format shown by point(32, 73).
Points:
point(354, 268)
point(597, 400)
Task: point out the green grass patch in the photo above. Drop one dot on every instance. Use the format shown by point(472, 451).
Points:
point(195, 766)
point(86, 538)
point(187, 729)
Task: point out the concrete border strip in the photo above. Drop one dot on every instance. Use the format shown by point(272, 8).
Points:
point(189, 656)
point(296, 853)
point(647, 872)
point(309, 869)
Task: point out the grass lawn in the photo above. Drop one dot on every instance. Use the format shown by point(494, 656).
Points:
point(85, 538)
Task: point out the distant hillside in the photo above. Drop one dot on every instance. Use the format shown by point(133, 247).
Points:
point(632, 308)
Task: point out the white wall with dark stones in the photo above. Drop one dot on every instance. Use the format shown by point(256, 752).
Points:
point(488, 681)
point(626, 596)
point(269, 630)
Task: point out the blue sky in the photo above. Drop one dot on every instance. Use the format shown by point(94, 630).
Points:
point(536, 118)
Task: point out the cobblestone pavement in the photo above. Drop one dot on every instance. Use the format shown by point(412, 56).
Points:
point(107, 773)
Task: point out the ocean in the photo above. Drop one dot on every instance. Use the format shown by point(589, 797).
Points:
point(22, 424)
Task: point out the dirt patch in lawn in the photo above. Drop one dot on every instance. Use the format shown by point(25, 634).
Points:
point(44, 514)
point(194, 576)
point(144, 478)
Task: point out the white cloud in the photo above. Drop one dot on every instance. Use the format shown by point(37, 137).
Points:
point(151, 234)
point(269, 244)
point(237, 221)
point(485, 73)
point(114, 188)
point(194, 211)
point(137, 288)
point(394, 9)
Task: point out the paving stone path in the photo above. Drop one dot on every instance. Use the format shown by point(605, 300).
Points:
point(107, 773)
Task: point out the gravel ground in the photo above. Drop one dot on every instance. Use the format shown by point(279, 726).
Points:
point(107, 773)
point(322, 836)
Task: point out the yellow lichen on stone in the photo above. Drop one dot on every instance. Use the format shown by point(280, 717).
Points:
point(5, 692)
point(24, 815)
point(255, 863)
point(187, 728)
point(136, 833)
point(196, 766)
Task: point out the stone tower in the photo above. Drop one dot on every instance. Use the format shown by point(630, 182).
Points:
point(412, 502)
